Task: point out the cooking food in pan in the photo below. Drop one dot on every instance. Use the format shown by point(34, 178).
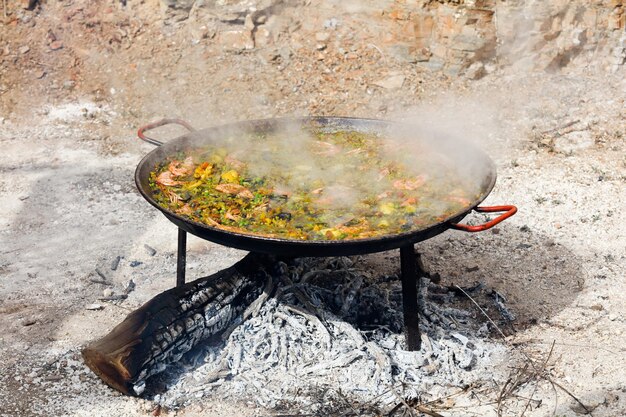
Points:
point(304, 184)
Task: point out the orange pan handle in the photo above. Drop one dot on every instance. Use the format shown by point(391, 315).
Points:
point(159, 123)
point(508, 212)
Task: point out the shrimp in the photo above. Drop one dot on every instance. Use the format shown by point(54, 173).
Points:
point(409, 184)
point(178, 168)
point(165, 178)
point(235, 189)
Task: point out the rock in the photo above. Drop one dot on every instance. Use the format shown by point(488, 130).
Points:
point(29, 322)
point(423, 55)
point(573, 141)
point(331, 23)
point(69, 85)
point(322, 36)
point(475, 71)
point(102, 275)
point(262, 37)
point(55, 45)
point(390, 83)
point(430, 369)
point(130, 287)
point(466, 360)
point(150, 250)
point(115, 263)
point(230, 17)
point(39, 74)
point(236, 40)
point(94, 307)
point(24, 49)
point(178, 4)
point(107, 292)
point(590, 405)
point(285, 53)
point(403, 53)
point(249, 23)
point(453, 70)
point(433, 64)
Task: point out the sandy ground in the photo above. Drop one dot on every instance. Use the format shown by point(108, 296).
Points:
point(68, 206)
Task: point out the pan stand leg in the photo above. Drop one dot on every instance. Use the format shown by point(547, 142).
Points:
point(410, 284)
point(181, 261)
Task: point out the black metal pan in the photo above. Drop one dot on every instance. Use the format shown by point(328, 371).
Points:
point(482, 171)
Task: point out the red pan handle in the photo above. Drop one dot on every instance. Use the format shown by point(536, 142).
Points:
point(508, 212)
point(159, 123)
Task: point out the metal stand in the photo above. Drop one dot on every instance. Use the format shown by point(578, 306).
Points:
point(410, 268)
point(181, 261)
point(410, 274)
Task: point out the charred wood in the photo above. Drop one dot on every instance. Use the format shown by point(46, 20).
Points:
point(173, 322)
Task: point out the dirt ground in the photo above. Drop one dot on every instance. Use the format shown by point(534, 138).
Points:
point(78, 78)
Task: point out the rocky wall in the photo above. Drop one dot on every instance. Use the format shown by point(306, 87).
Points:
point(473, 35)
point(470, 37)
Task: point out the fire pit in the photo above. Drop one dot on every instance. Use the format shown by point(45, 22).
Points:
point(471, 163)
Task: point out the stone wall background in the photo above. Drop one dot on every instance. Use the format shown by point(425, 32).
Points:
point(470, 37)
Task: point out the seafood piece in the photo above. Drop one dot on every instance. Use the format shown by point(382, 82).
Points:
point(409, 184)
point(234, 189)
point(185, 210)
point(165, 178)
point(178, 168)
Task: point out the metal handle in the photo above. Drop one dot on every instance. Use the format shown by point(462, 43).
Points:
point(508, 212)
point(160, 123)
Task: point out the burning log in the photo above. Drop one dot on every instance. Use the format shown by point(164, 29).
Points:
point(173, 322)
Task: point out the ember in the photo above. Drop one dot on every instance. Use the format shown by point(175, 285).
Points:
point(331, 335)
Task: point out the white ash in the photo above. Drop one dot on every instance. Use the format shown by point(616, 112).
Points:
point(331, 336)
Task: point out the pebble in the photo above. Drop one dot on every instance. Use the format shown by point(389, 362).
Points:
point(130, 287)
point(460, 338)
point(40, 74)
point(590, 405)
point(573, 141)
point(107, 292)
point(475, 71)
point(151, 251)
point(135, 263)
point(390, 83)
point(101, 274)
point(56, 45)
point(331, 23)
point(236, 40)
point(24, 49)
point(115, 297)
point(322, 36)
point(28, 322)
point(431, 368)
point(94, 307)
point(466, 360)
point(115, 263)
